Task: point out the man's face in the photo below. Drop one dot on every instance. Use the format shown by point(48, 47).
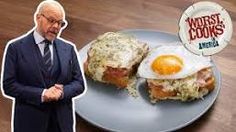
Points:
point(49, 23)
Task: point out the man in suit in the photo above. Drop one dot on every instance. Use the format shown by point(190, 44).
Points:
point(41, 72)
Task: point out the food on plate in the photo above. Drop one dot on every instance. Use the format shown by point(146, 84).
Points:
point(113, 58)
point(172, 72)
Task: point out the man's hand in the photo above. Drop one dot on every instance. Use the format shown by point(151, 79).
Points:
point(59, 86)
point(53, 93)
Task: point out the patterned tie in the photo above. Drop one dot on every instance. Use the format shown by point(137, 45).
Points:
point(47, 55)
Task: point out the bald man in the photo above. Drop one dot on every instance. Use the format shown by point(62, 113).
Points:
point(42, 74)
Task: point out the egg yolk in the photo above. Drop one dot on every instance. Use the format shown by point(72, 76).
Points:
point(167, 64)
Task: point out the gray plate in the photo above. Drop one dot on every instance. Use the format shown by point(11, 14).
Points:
point(112, 109)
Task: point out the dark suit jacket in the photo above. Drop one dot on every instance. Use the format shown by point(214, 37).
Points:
point(23, 80)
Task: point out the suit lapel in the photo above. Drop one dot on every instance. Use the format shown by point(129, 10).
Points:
point(63, 58)
point(30, 54)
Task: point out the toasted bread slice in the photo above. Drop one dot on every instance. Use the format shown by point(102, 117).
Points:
point(205, 83)
point(113, 58)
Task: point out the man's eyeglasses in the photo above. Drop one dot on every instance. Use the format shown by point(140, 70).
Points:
point(52, 21)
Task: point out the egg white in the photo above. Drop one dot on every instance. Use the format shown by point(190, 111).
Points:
point(191, 63)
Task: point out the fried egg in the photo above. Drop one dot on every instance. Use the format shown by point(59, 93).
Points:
point(171, 62)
